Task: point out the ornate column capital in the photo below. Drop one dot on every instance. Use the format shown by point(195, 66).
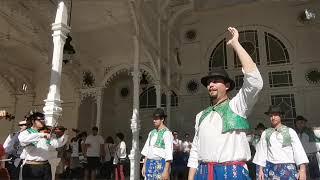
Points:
point(90, 92)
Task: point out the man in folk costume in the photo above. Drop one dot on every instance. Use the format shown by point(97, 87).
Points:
point(220, 147)
point(279, 151)
point(158, 149)
point(14, 149)
point(38, 149)
point(310, 139)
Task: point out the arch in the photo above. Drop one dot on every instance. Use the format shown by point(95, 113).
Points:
point(174, 17)
point(127, 68)
point(262, 28)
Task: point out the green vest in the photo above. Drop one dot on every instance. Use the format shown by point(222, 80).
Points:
point(160, 141)
point(32, 131)
point(284, 131)
point(312, 136)
point(231, 121)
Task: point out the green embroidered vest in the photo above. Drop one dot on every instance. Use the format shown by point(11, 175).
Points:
point(284, 131)
point(32, 131)
point(159, 142)
point(231, 121)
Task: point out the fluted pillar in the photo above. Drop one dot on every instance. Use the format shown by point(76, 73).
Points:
point(52, 108)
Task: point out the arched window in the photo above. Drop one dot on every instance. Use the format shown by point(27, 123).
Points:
point(249, 41)
point(174, 99)
point(276, 51)
point(148, 98)
point(218, 56)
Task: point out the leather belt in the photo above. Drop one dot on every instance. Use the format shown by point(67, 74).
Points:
point(36, 162)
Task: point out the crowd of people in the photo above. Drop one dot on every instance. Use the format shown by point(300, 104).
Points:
point(223, 146)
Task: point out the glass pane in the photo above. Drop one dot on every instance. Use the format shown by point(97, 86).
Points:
point(218, 56)
point(276, 51)
point(249, 41)
point(163, 100)
point(280, 79)
point(286, 101)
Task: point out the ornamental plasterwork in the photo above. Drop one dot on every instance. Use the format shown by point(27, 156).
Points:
point(313, 76)
point(90, 92)
point(110, 79)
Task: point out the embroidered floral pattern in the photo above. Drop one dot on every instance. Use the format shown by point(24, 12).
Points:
point(280, 171)
point(154, 169)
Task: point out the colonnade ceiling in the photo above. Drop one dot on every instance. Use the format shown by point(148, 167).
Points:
point(101, 31)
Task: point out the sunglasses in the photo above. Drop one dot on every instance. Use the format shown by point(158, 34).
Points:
point(22, 124)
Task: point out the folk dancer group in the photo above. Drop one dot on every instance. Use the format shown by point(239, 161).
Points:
point(220, 149)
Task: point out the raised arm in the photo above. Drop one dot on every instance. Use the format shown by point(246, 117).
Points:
point(252, 80)
point(246, 61)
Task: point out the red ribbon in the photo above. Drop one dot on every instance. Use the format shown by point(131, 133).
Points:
point(230, 163)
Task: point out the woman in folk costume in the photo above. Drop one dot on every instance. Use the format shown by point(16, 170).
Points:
point(280, 151)
point(220, 148)
point(158, 149)
point(310, 139)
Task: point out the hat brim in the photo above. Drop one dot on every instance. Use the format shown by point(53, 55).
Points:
point(205, 79)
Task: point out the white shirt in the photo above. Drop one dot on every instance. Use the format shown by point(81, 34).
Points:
point(186, 146)
point(94, 142)
point(121, 152)
point(214, 146)
point(276, 153)
point(36, 146)
point(152, 152)
point(177, 145)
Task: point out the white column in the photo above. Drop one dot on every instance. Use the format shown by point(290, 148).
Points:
point(52, 108)
point(135, 121)
point(158, 93)
point(168, 105)
point(99, 95)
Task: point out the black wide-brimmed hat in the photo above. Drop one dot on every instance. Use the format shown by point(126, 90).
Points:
point(159, 112)
point(218, 73)
point(260, 126)
point(300, 118)
point(274, 109)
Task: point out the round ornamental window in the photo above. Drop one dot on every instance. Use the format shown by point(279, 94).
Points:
point(313, 76)
point(190, 35)
point(192, 86)
point(124, 92)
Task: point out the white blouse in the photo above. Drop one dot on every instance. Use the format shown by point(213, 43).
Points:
point(276, 153)
point(211, 144)
point(152, 152)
